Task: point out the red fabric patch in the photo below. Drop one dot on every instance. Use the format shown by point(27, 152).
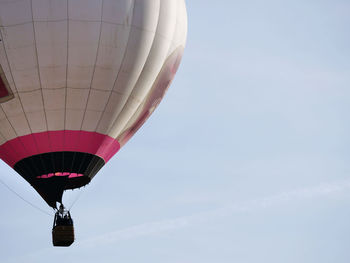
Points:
point(3, 90)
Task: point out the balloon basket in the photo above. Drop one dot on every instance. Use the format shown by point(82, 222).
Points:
point(63, 229)
point(62, 236)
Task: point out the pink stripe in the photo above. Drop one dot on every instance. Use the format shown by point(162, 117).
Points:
point(70, 175)
point(95, 143)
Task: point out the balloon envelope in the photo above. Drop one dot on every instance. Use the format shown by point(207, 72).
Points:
point(77, 79)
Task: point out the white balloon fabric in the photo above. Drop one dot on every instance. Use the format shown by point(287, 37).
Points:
point(77, 79)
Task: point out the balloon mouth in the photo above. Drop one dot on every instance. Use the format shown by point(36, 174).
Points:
point(78, 170)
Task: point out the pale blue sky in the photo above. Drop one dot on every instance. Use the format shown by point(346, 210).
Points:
point(246, 159)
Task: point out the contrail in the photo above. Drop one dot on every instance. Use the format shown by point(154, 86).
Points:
point(147, 229)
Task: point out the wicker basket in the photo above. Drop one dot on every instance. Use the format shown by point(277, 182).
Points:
point(62, 236)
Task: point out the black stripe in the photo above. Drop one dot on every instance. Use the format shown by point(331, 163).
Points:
point(51, 189)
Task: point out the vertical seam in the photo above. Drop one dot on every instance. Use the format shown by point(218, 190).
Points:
point(121, 64)
point(66, 88)
point(37, 63)
point(167, 56)
point(40, 84)
point(129, 97)
point(94, 68)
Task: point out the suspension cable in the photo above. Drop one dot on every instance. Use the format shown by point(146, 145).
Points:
point(29, 203)
point(76, 199)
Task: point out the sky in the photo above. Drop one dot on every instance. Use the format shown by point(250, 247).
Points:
point(245, 160)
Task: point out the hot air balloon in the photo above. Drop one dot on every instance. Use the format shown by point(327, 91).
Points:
point(78, 78)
